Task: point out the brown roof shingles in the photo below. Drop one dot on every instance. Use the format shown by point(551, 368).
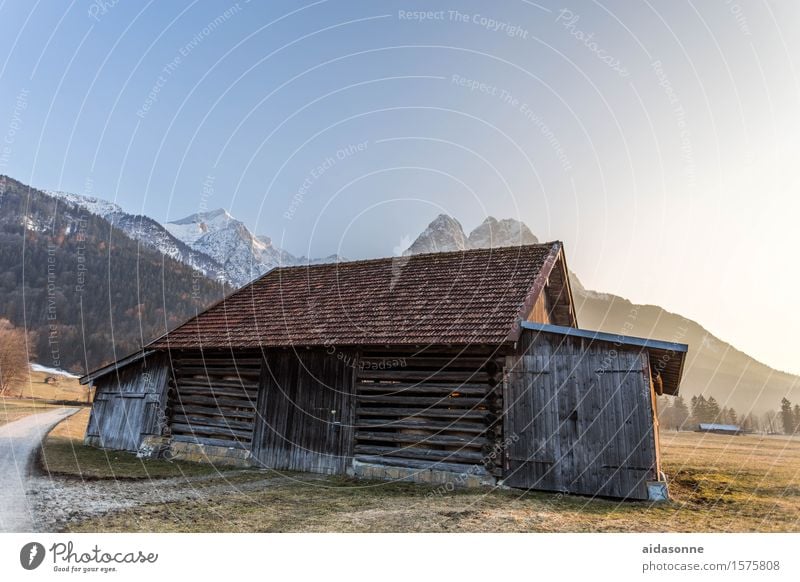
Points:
point(461, 297)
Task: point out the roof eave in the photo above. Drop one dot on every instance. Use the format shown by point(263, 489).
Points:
point(115, 365)
point(650, 345)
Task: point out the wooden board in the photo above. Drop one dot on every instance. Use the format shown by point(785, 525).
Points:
point(433, 407)
point(212, 397)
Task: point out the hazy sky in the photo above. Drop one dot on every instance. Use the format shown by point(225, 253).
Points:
point(658, 140)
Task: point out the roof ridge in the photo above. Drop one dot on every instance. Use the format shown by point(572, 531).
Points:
point(454, 297)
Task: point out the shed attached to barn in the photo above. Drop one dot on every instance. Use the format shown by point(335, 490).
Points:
point(463, 366)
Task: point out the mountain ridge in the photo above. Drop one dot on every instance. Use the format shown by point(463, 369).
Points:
point(713, 366)
point(212, 242)
point(222, 247)
point(86, 291)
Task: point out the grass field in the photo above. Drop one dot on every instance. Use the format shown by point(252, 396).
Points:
point(64, 454)
point(12, 409)
point(718, 483)
point(64, 388)
point(30, 395)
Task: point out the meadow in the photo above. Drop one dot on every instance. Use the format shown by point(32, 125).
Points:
point(717, 483)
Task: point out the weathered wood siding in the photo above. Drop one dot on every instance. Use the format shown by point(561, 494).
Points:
point(429, 409)
point(212, 397)
point(127, 405)
point(541, 310)
point(305, 411)
point(579, 417)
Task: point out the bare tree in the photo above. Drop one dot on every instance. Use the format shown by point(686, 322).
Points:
point(13, 356)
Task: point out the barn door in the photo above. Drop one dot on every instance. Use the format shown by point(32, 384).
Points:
point(117, 421)
point(126, 405)
point(583, 421)
point(304, 418)
point(531, 424)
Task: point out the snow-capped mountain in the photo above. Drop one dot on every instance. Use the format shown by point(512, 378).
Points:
point(228, 241)
point(445, 233)
point(213, 243)
point(90, 203)
point(147, 231)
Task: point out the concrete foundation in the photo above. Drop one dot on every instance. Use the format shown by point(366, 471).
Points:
point(449, 480)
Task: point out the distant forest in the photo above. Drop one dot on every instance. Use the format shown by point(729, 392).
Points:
point(88, 292)
point(675, 414)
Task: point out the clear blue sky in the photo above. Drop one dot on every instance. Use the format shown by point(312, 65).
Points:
point(658, 140)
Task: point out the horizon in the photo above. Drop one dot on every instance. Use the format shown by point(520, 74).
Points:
point(666, 166)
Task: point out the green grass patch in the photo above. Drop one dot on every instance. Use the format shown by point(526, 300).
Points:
point(69, 457)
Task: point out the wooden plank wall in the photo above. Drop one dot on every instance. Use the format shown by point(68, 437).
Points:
point(212, 398)
point(305, 410)
point(429, 409)
point(541, 310)
point(127, 404)
point(583, 413)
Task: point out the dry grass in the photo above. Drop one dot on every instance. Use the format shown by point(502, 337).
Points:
point(65, 388)
point(12, 409)
point(32, 394)
point(719, 483)
point(73, 428)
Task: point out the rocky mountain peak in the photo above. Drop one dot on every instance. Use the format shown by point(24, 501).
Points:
point(501, 233)
point(443, 234)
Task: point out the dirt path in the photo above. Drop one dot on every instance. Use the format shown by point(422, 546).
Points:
point(19, 442)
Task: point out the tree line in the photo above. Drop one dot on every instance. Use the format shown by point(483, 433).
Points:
point(675, 414)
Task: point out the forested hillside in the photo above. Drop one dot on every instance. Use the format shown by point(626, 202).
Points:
point(89, 292)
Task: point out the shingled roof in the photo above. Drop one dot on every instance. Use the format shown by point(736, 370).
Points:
point(462, 297)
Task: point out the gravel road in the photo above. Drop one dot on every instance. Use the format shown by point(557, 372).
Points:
point(19, 443)
point(45, 503)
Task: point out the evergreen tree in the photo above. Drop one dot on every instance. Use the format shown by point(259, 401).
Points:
point(699, 409)
point(681, 412)
point(787, 416)
point(713, 410)
point(796, 419)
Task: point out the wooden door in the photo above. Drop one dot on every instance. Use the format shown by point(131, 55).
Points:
point(580, 420)
point(304, 420)
point(126, 405)
point(531, 424)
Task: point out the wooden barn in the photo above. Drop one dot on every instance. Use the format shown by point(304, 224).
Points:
point(455, 368)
